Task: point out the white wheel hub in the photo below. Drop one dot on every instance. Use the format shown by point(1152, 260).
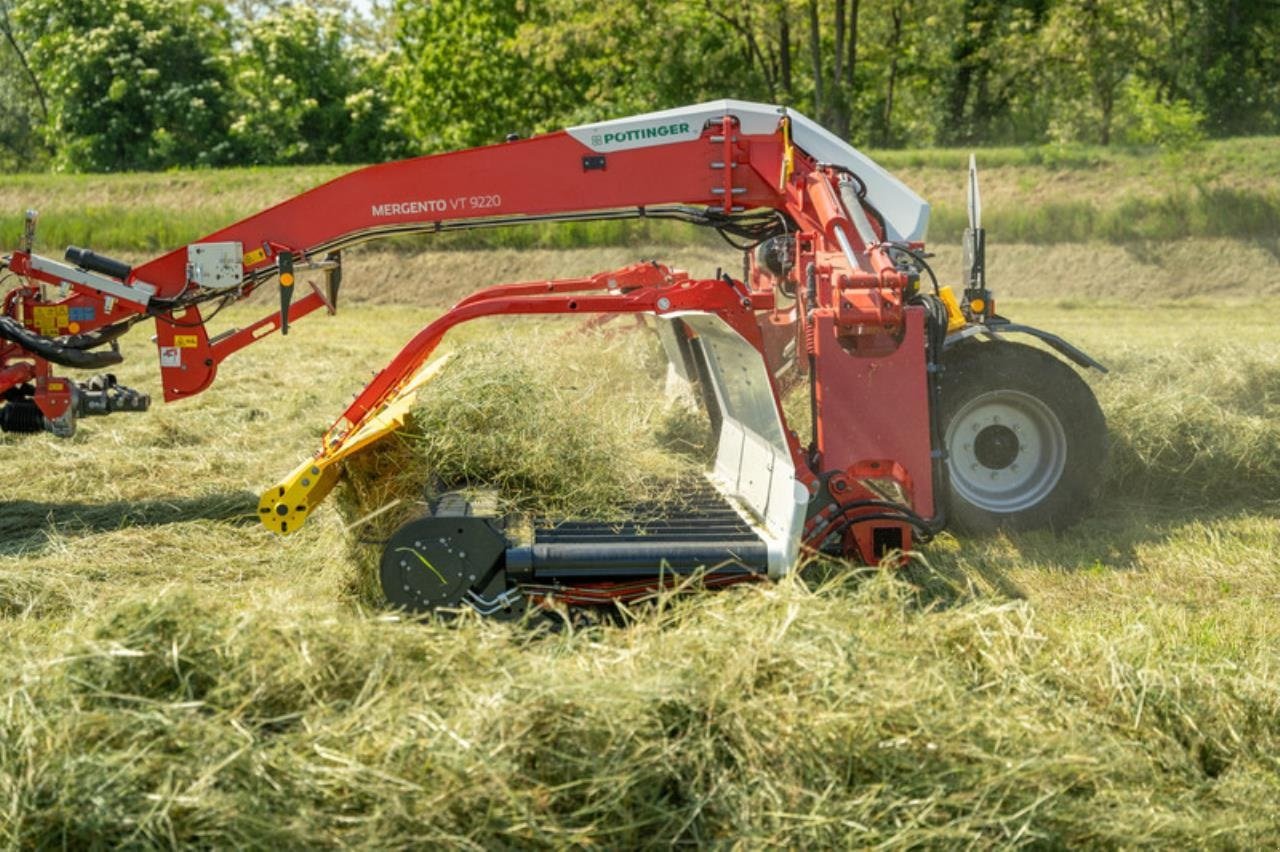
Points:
point(1006, 451)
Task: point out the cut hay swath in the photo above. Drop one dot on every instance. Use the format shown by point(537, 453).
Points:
point(184, 679)
point(563, 421)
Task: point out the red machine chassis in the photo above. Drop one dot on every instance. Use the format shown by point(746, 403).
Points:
point(840, 305)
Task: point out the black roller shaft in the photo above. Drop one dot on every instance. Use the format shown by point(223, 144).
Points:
point(632, 559)
point(94, 262)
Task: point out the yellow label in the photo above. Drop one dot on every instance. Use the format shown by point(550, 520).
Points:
point(186, 341)
point(255, 256)
point(57, 386)
point(50, 319)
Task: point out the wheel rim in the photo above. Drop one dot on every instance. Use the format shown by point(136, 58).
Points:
point(1006, 451)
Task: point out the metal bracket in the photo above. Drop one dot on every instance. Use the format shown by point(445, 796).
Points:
point(999, 326)
point(136, 294)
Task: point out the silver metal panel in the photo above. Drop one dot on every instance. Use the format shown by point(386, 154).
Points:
point(215, 266)
point(728, 468)
point(753, 462)
point(756, 473)
point(137, 294)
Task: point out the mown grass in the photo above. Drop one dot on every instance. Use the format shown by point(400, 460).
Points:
point(580, 431)
point(1041, 195)
point(177, 676)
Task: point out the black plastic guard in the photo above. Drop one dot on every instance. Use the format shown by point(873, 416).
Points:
point(999, 325)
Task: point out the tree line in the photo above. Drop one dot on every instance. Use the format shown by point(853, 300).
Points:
point(107, 85)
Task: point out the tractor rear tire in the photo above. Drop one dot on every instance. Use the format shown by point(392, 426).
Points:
point(1026, 441)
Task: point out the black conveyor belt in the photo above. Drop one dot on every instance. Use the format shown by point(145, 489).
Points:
point(700, 530)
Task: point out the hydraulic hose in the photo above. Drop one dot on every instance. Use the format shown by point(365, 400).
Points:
point(53, 351)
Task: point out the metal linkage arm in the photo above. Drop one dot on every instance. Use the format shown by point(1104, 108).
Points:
point(385, 401)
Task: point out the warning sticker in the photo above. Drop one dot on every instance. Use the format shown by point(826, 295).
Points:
point(48, 319)
point(255, 256)
point(186, 341)
point(170, 356)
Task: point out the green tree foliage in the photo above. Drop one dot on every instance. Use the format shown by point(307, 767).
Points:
point(622, 56)
point(23, 106)
point(1093, 47)
point(468, 72)
point(134, 84)
point(459, 73)
point(130, 84)
point(303, 94)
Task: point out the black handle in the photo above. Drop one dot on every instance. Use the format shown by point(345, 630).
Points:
point(94, 262)
point(284, 266)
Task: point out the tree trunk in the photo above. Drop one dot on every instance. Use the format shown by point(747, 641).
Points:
point(6, 26)
point(1108, 108)
point(815, 54)
point(784, 50)
point(850, 66)
point(852, 60)
point(835, 110)
point(962, 53)
point(750, 47)
point(895, 44)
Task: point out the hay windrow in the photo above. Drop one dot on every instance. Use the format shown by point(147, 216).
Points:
point(1194, 423)
point(175, 677)
point(562, 421)
point(772, 715)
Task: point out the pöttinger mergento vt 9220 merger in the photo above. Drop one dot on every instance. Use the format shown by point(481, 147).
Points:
point(924, 413)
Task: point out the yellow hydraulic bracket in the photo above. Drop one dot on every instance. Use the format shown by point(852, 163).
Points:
point(285, 506)
point(955, 316)
point(788, 156)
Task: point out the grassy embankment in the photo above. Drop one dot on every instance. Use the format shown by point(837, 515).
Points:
point(178, 675)
point(1228, 189)
point(1094, 222)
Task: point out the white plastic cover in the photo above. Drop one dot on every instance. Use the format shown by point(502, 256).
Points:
point(906, 214)
point(753, 464)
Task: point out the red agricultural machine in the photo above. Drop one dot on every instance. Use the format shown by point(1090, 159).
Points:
point(923, 412)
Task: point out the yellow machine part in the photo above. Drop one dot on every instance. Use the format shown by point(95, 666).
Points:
point(285, 506)
point(955, 316)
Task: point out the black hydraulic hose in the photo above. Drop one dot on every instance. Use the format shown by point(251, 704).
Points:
point(919, 258)
point(811, 303)
point(97, 337)
point(54, 352)
point(926, 535)
point(936, 329)
point(888, 505)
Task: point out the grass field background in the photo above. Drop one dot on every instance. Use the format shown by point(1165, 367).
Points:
point(177, 675)
point(1226, 189)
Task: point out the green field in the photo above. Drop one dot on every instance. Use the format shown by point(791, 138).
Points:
point(1226, 189)
point(179, 676)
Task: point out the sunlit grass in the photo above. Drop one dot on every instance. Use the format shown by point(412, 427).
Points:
point(178, 676)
